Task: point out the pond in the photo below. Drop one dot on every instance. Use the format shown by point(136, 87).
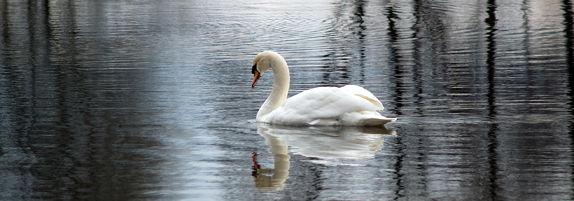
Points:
point(151, 100)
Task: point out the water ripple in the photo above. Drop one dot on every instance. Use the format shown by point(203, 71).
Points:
point(151, 100)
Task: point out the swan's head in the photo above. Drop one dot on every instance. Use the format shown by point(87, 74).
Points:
point(262, 63)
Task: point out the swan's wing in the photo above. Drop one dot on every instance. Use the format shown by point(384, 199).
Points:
point(324, 103)
point(363, 93)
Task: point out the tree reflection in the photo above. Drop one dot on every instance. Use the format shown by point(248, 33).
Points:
point(347, 49)
point(94, 93)
point(65, 137)
point(490, 65)
point(569, 34)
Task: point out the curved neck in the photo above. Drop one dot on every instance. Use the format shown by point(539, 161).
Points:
point(280, 88)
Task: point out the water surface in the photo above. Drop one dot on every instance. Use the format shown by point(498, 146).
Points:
point(131, 100)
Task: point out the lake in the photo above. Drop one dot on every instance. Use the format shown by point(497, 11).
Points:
point(151, 100)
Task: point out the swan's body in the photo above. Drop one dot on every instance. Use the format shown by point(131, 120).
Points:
point(350, 105)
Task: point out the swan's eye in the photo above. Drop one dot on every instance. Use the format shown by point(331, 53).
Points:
point(254, 68)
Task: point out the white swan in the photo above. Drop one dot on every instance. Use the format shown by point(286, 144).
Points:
point(350, 105)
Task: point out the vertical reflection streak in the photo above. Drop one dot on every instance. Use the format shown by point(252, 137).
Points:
point(490, 62)
point(569, 34)
point(395, 60)
point(419, 13)
point(359, 14)
point(393, 53)
point(491, 54)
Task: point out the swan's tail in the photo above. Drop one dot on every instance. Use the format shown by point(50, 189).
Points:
point(381, 121)
point(365, 118)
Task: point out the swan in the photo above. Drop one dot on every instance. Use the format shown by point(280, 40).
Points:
point(349, 105)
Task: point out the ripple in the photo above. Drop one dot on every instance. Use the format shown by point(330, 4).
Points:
point(153, 98)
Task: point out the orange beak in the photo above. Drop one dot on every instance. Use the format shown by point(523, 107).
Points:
point(256, 77)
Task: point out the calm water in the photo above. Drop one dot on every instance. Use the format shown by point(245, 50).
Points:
point(132, 100)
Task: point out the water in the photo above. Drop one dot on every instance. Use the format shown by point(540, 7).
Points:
point(131, 100)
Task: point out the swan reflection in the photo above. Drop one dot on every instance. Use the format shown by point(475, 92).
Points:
point(323, 145)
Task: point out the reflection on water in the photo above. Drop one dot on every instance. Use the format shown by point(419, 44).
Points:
point(274, 178)
point(322, 145)
point(120, 100)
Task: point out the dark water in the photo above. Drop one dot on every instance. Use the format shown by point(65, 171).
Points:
point(132, 100)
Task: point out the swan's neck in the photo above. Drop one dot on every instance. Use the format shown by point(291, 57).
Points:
point(280, 88)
